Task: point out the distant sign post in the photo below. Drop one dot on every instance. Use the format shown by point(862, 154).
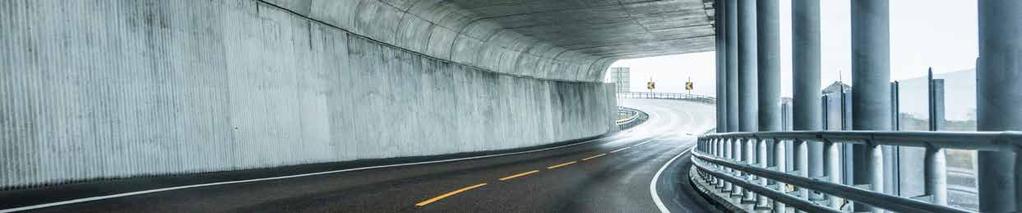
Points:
point(689, 86)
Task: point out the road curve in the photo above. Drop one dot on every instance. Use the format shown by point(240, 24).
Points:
point(609, 174)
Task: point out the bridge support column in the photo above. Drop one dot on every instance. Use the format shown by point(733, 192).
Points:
point(998, 99)
point(769, 79)
point(806, 74)
point(806, 65)
point(748, 108)
point(719, 41)
point(731, 45)
point(871, 100)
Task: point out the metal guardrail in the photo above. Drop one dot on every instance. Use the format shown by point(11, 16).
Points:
point(722, 159)
point(632, 115)
point(667, 95)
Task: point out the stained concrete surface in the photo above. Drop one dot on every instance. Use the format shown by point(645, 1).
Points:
point(94, 89)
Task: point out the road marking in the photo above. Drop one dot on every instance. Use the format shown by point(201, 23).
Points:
point(452, 193)
point(621, 149)
point(518, 175)
point(594, 156)
point(652, 184)
point(561, 165)
point(150, 191)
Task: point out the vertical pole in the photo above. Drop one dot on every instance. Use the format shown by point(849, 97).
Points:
point(871, 77)
point(935, 169)
point(998, 81)
point(731, 32)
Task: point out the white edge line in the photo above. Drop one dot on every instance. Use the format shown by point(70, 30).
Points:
point(652, 184)
point(126, 194)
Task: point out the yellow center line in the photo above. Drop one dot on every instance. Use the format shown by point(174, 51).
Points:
point(594, 156)
point(561, 165)
point(518, 175)
point(621, 149)
point(431, 200)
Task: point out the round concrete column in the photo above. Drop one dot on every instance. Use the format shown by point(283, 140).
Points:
point(768, 36)
point(805, 51)
point(871, 76)
point(720, 40)
point(731, 32)
point(748, 108)
point(998, 101)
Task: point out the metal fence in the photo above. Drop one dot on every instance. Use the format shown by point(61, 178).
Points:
point(667, 95)
point(736, 163)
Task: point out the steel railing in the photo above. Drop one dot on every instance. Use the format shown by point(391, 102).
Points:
point(736, 163)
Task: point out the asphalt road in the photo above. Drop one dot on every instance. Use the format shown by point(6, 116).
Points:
point(609, 174)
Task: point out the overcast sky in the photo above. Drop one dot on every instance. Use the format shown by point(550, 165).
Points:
point(924, 33)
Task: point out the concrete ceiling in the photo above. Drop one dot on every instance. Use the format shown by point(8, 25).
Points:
point(569, 40)
point(605, 28)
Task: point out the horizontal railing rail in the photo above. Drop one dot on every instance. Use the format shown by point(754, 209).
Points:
point(667, 95)
point(987, 141)
point(724, 158)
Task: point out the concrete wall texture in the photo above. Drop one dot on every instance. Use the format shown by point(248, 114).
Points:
point(103, 89)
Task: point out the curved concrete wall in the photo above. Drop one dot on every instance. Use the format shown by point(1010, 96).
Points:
point(100, 89)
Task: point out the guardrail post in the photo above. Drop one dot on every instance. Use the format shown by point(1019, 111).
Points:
point(936, 175)
point(715, 149)
point(802, 164)
point(750, 159)
point(875, 170)
point(736, 156)
point(761, 156)
point(728, 154)
point(832, 169)
point(780, 166)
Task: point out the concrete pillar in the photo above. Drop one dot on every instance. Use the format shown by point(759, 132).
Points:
point(769, 64)
point(806, 76)
point(805, 29)
point(998, 81)
point(731, 32)
point(747, 65)
point(871, 77)
point(768, 40)
point(719, 39)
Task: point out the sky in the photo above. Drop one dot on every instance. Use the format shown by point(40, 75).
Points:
point(924, 33)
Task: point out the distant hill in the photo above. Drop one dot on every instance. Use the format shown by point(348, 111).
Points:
point(959, 95)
